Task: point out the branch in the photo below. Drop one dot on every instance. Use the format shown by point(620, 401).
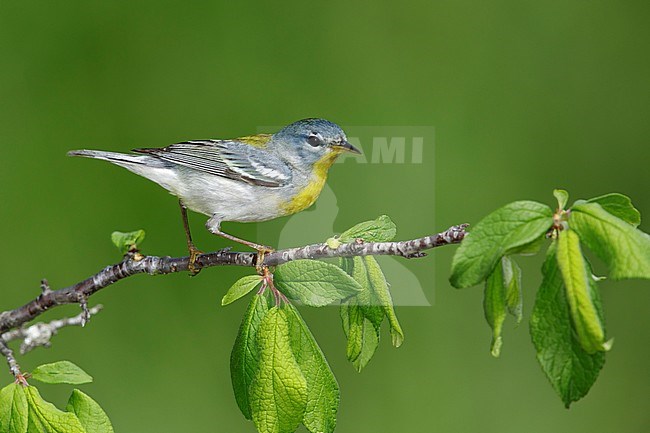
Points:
point(135, 263)
point(40, 334)
point(14, 368)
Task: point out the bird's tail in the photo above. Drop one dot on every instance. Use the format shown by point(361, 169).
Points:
point(114, 157)
point(148, 166)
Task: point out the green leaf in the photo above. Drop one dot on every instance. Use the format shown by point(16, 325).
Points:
point(577, 284)
point(366, 298)
point(512, 283)
point(314, 283)
point(13, 409)
point(241, 288)
point(333, 243)
point(278, 393)
point(620, 206)
point(370, 338)
point(570, 369)
point(244, 359)
point(379, 287)
point(502, 294)
point(625, 249)
point(44, 417)
point(502, 232)
point(382, 229)
point(363, 314)
point(562, 198)
point(126, 241)
point(530, 249)
point(91, 416)
point(368, 302)
point(353, 320)
point(494, 306)
point(362, 334)
point(61, 372)
point(322, 389)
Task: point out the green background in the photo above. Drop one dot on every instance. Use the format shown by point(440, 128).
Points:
point(524, 96)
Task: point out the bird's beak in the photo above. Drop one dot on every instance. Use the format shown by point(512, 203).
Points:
point(344, 146)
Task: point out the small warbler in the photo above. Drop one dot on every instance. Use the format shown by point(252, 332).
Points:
point(246, 179)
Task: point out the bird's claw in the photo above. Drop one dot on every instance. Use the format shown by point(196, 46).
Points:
point(261, 252)
point(191, 266)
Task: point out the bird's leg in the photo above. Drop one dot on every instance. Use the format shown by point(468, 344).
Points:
point(253, 245)
point(214, 227)
point(261, 249)
point(194, 252)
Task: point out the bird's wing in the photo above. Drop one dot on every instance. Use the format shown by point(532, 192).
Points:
point(231, 159)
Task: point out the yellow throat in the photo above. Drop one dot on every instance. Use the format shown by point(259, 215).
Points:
point(308, 195)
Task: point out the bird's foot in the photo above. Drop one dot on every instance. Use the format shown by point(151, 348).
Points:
point(262, 250)
point(192, 265)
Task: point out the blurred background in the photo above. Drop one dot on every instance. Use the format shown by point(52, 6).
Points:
point(524, 97)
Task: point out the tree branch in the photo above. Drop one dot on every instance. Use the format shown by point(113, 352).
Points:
point(135, 263)
point(14, 368)
point(40, 334)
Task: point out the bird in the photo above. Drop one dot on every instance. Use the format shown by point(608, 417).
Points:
point(253, 178)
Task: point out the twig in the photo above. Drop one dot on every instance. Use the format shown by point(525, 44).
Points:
point(14, 368)
point(40, 334)
point(45, 286)
point(135, 263)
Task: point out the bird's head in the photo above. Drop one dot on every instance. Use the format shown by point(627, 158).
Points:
point(308, 142)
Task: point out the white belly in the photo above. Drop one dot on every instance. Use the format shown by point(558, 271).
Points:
point(229, 200)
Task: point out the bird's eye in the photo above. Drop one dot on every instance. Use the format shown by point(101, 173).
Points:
point(314, 140)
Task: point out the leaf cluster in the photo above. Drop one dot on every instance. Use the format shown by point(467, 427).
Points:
point(23, 410)
point(280, 376)
point(567, 324)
